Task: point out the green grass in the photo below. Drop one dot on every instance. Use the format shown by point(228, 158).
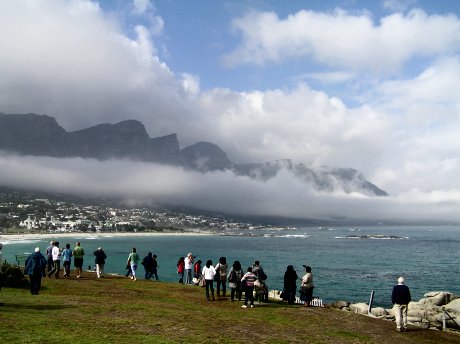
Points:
point(118, 310)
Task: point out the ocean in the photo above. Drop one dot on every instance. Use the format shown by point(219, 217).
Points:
point(347, 263)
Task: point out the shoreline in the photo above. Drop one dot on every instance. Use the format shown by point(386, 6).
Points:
point(37, 236)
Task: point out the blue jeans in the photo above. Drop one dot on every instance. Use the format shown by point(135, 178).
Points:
point(155, 273)
point(188, 276)
point(209, 285)
point(224, 286)
point(249, 295)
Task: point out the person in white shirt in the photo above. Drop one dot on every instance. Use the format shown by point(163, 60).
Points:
point(56, 253)
point(188, 268)
point(208, 274)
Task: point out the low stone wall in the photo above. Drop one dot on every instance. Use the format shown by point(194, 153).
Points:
point(426, 313)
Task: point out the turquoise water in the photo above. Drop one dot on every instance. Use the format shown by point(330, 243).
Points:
point(343, 268)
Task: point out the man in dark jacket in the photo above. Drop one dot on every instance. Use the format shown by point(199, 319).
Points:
point(148, 265)
point(100, 261)
point(35, 268)
point(400, 297)
point(290, 287)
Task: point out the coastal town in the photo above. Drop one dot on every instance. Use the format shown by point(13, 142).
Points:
point(28, 212)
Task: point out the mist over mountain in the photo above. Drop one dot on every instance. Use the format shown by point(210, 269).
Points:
point(41, 135)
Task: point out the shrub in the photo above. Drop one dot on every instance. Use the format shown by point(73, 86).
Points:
point(12, 277)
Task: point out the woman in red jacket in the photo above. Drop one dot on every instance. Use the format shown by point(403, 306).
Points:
point(180, 269)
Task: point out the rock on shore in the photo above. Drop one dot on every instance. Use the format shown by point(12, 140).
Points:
point(426, 313)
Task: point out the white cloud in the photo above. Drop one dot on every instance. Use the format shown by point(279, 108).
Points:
point(301, 124)
point(328, 78)
point(142, 6)
point(398, 5)
point(342, 39)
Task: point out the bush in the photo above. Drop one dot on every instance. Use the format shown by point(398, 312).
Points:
point(12, 277)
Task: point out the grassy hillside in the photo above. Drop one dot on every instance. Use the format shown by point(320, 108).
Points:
point(118, 310)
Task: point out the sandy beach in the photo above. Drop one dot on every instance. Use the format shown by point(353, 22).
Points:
point(4, 238)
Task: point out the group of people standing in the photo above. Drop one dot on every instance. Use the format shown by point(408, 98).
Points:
point(238, 280)
point(149, 262)
point(37, 263)
point(306, 286)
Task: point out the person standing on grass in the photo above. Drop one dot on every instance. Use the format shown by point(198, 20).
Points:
point(221, 270)
point(197, 270)
point(155, 267)
point(400, 297)
point(248, 279)
point(35, 267)
point(188, 266)
point(78, 254)
point(290, 287)
point(147, 262)
point(66, 260)
point(208, 274)
point(56, 253)
point(49, 255)
point(307, 286)
point(133, 260)
point(234, 281)
point(260, 286)
point(100, 261)
point(181, 269)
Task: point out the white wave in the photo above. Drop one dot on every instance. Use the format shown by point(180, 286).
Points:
point(287, 236)
point(20, 241)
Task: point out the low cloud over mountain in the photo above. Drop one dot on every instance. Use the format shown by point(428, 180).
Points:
point(121, 161)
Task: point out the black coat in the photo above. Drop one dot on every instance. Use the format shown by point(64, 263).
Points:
point(35, 264)
point(100, 257)
point(400, 294)
point(290, 278)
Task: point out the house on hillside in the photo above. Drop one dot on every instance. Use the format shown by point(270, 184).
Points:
point(30, 223)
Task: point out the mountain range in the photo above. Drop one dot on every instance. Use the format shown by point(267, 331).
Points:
point(41, 135)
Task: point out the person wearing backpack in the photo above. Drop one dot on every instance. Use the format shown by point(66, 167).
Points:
point(234, 281)
point(221, 276)
point(35, 268)
point(260, 286)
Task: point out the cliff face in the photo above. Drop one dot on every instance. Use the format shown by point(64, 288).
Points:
point(40, 135)
point(30, 134)
point(33, 134)
point(104, 141)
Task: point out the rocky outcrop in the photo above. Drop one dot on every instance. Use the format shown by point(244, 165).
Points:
point(206, 156)
point(426, 313)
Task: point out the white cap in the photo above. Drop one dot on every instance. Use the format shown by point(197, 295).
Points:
point(401, 280)
point(37, 249)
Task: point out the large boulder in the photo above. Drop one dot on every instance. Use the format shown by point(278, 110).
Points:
point(437, 298)
point(453, 306)
point(340, 304)
point(360, 308)
point(379, 312)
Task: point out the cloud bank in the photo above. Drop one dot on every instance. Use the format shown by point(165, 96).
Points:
point(282, 196)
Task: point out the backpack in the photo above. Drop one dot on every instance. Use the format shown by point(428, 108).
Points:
point(233, 278)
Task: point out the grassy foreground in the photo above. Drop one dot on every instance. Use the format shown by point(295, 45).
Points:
point(118, 310)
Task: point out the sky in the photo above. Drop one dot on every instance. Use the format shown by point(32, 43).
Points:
point(369, 85)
